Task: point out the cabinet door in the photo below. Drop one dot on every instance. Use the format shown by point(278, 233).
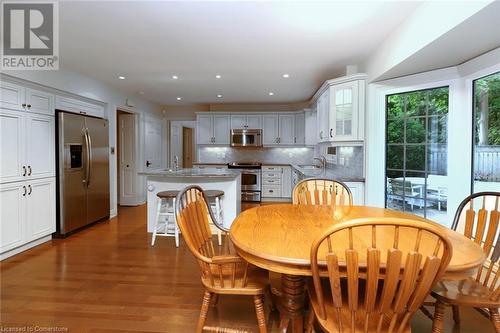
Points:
point(221, 130)
point(270, 129)
point(286, 129)
point(12, 137)
point(358, 192)
point(311, 126)
point(344, 112)
point(40, 208)
point(300, 129)
point(40, 146)
point(204, 130)
point(238, 122)
point(39, 102)
point(323, 115)
point(12, 96)
point(286, 182)
point(254, 121)
point(12, 215)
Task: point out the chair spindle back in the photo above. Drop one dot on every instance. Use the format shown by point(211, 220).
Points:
point(319, 191)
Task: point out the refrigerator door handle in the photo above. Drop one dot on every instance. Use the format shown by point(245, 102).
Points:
point(87, 157)
point(90, 157)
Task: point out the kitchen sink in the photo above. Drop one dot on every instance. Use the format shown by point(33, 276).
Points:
point(309, 167)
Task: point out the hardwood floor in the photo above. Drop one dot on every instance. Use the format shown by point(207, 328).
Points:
point(108, 278)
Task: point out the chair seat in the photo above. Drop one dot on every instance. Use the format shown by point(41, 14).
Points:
point(214, 193)
point(331, 324)
point(257, 281)
point(167, 194)
point(466, 292)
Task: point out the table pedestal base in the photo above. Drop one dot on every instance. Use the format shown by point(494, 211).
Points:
point(291, 304)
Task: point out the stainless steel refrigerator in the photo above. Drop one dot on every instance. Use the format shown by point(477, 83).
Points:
point(83, 171)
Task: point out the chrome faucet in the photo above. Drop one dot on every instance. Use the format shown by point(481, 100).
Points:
point(322, 160)
point(176, 162)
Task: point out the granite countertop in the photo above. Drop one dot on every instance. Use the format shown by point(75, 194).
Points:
point(200, 173)
point(327, 173)
point(200, 163)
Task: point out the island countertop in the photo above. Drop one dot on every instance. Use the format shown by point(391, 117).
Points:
point(195, 173)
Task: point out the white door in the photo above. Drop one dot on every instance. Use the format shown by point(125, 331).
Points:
point(175, 144)
point(12, 145)
point(270, 130)
point(40, 145)
point(221, 130)
point(12, 215)
point(39, 102)
point(153, 143)
point(300, 128)
point(127, 160)
point(238, 122)
point(254, 121)
point(40, 208)
point(286, 129)
point(204, 130)
point(12, 96)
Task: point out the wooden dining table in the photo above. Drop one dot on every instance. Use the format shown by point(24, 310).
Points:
point(279, 238)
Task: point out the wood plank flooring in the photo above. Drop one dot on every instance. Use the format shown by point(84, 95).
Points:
point(108, 278)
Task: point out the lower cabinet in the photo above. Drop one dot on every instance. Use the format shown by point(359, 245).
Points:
point(28, 211)
point(358, 192)
point(276, 181)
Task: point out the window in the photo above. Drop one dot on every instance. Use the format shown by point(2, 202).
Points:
point(417, 152)
point(486, 120)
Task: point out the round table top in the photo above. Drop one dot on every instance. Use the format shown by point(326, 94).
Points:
point(279, 237)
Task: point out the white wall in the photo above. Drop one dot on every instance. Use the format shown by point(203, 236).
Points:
point(82, 85)
point(459, 79)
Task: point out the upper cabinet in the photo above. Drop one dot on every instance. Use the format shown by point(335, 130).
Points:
point(341, 109)
point(300, 129)
point(212, 129)
point(79, 106)
point(278, 129)
point(19, 98)
point(239, 121)
point(311, 127)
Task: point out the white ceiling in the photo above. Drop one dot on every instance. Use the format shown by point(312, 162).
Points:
point(251, 44)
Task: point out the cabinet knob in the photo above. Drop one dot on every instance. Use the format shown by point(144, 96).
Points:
point(24, 188)
point(29, 170)
point(331, 132)
point(30, 190)
point(24, 171)
point(29, 106)
point(23, 105)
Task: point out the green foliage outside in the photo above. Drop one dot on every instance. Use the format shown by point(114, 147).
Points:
point(490, 86)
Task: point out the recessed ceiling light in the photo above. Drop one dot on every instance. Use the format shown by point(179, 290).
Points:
point(271, 93)
point(179, 98)
point(219, 96)
point(175, 77)
point(286, 76)
point(218, 76)
point(121, 77)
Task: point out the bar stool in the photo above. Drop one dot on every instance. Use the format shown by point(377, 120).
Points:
point(214, 197)
point(166, 211)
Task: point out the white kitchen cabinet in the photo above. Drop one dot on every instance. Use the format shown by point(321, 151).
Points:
point(286, 182)
point(12, 215)
point(210, 166)
point(79, 106)
point(254, 122)
point(270, 130)
point(38, 101)
point(28, 146)
point(276, 181)
point(300, 128)
point(358, 192)
point(12, 96)
point(286, 129)
point(311, 125)
point(340, 110)
point(12, 144)
point(212, 130)
point(40, 208)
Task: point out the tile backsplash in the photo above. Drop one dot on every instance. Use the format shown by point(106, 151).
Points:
point(295, 155)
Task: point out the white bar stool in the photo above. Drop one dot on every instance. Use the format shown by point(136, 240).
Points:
point(214, 197)
point(165, 224)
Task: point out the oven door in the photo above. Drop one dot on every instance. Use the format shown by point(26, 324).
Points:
point(246, 138)
point(250, 180)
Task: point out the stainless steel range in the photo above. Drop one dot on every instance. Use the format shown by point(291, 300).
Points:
point(250, 179)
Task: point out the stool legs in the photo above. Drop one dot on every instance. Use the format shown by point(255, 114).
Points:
point(158, 215)
point(175, 225)
point(168, 212)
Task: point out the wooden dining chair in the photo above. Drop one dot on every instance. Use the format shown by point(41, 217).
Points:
point(477, 217)
point(319, 191)
point(375, 287)
point(220, 274)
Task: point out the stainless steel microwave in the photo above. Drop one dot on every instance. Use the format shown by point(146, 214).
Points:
point(246, 138)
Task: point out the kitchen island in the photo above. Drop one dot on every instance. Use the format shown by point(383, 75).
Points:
point(208, 179)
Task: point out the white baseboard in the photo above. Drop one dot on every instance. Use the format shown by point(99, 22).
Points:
point(25, 247)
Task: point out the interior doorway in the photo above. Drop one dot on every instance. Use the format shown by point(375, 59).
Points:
point(126, 158)
point(187, 147)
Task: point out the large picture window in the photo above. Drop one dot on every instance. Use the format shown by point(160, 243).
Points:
point(417, 152)
point(486, 148)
